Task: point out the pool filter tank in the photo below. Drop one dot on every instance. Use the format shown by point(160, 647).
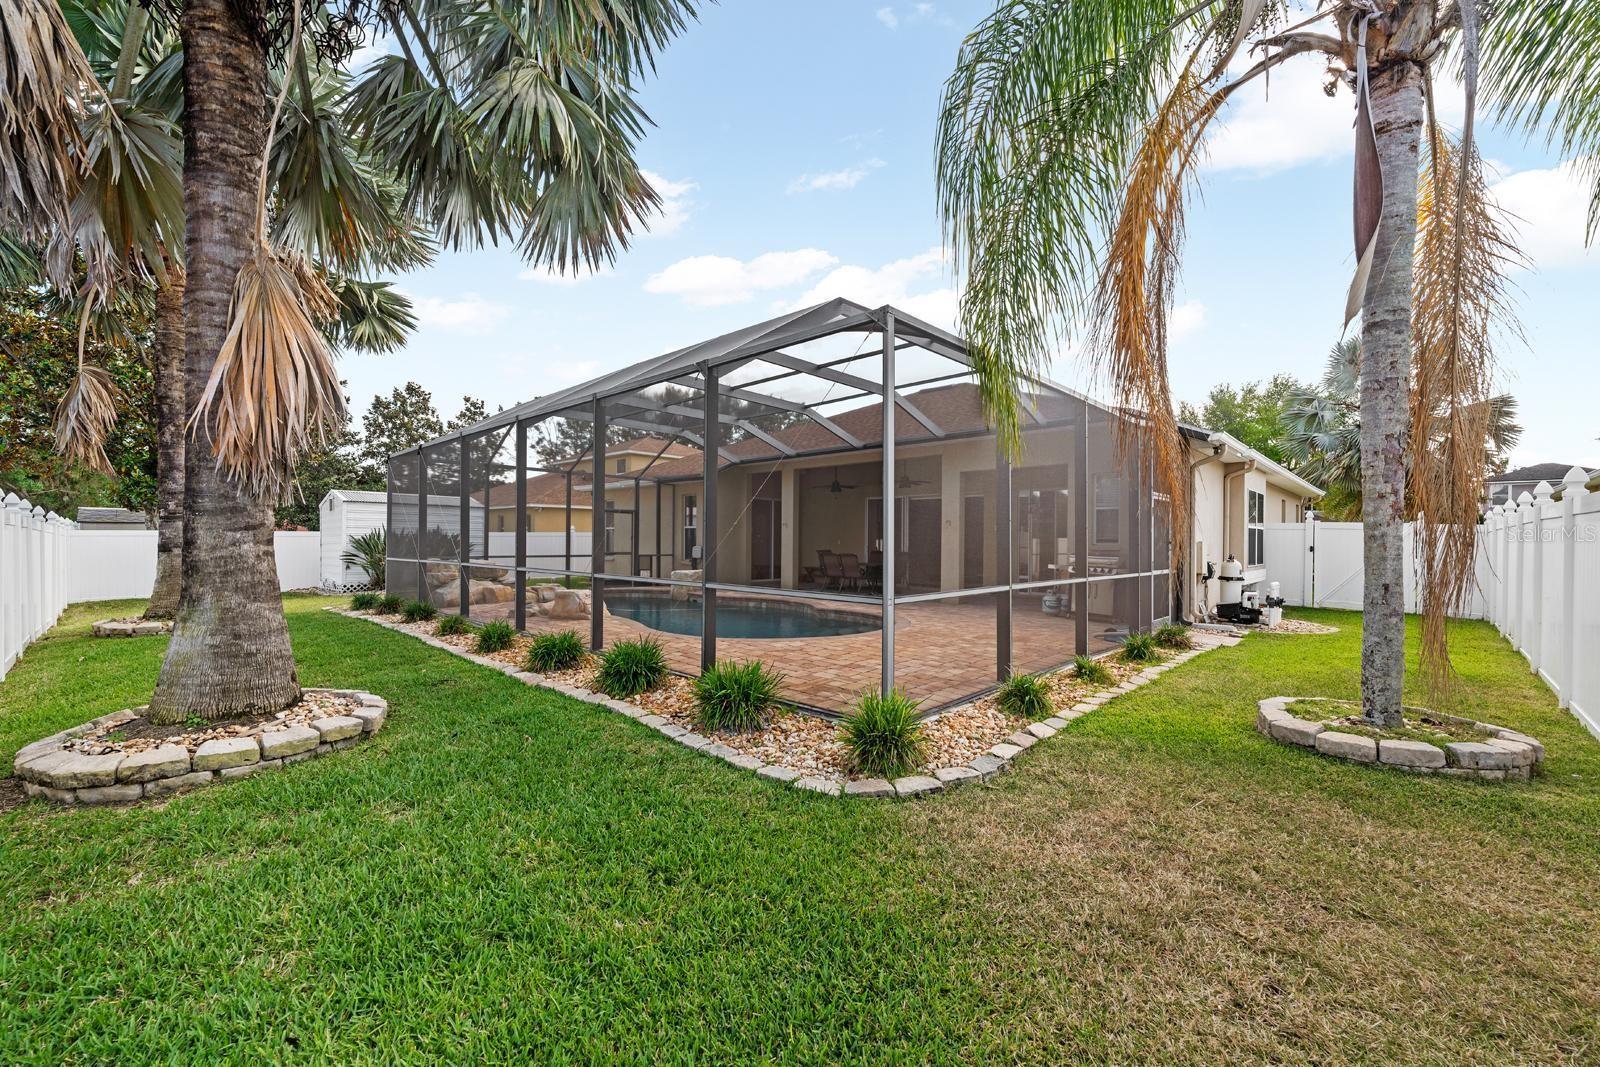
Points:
point(1230, 598)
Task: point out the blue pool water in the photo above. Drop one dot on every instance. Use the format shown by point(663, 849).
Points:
point(738, 618)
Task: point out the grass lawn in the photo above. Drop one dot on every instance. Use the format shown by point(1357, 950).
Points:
point(504, 874)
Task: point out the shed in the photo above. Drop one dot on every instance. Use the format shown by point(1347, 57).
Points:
point(348, 513)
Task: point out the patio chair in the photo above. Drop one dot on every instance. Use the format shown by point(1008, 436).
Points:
point(828, 568)
point(850, 572)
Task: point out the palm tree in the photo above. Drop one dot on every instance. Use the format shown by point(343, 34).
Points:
point(497, 121)
point(1322, 431)
point(1069, 137)
point(127, 223)
point(518, 122)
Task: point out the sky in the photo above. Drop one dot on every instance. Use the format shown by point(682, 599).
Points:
point(793, 148)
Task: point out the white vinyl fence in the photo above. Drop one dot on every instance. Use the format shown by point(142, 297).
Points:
point(1542, 561)
point(121, 564)
point(33, 574)
point(1538, 581)
point(47, 562)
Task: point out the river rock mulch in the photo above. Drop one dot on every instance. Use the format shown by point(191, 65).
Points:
point(138, 734)
point(973, 741)
point(123, 757)
point(1295, 626)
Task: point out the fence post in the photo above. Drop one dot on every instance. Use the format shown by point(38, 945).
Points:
point(1525, 523)
point(1572, 490)
point(1541, 500)
point(1502, 569)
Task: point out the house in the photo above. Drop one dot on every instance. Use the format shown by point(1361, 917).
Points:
point(546, 502)
point(769, 519)
point(1237, 492)
point(1508, 487)
point(113, 519)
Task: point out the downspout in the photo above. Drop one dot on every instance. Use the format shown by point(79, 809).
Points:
point(1227, 499)
point(1217, 449)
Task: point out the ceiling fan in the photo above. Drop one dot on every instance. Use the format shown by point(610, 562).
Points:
point(835, 486)
point(905, 481)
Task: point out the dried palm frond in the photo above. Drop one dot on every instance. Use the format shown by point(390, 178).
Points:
point(1461, 304)
point(44, 77)
point(1130, 307)
point(273, 391)
point(85, 416)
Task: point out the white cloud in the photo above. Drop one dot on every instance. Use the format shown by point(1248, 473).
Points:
point(551, 276)
point(911, 14)
point(1273, 125)
point(675, 204)
point(1549, 209)
point(916, 284)
point(708, 281)
point(1186, 318)
point(848, 178)
point(470, 313)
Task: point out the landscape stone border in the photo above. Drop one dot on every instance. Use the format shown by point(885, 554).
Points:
point(49, 769)
point(981, 769)
point(1506, 756)
point(132, 627)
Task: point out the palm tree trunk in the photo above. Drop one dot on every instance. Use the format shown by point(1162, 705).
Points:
point(170, 416)
point(1397, 112)
point(230, 645)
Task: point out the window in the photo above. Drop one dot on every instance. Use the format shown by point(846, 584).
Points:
point(691, 527)
point(1107, 509)
point(622, 466)
point(1255, 528)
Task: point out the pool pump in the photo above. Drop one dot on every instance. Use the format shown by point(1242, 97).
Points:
point(1232, 602)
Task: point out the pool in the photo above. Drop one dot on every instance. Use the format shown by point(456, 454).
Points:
point(738, 618)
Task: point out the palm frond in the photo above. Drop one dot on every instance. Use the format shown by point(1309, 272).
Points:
point(372, 316)
point(1460, 304)
point(85, 416)
point(1038, 127)
point(44, 80)
point(1129, 310)
point(1541, 72)
point(273, 392)
point(128, 211)
point(331, 203)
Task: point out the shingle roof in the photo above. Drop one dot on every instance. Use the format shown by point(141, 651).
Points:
point(1554, 473)
point(955, 409)
point(108, 516)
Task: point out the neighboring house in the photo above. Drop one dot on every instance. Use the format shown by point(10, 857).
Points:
point(113, 519)
point(1238, 492)
point(1506, 488)
point(547, 492)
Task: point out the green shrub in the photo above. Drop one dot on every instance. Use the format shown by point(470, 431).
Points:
point(419, 611)
point(1091, 670)
point(369, 551)
point(628, 668)
point(1138, 648)
point(1173, 636)
point(555, 652)
point(883, 735)
point(1026, 696)
point(495, 636)
point(736, 696)
point(390, 605)
point(453, 624)
point(365, 601)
